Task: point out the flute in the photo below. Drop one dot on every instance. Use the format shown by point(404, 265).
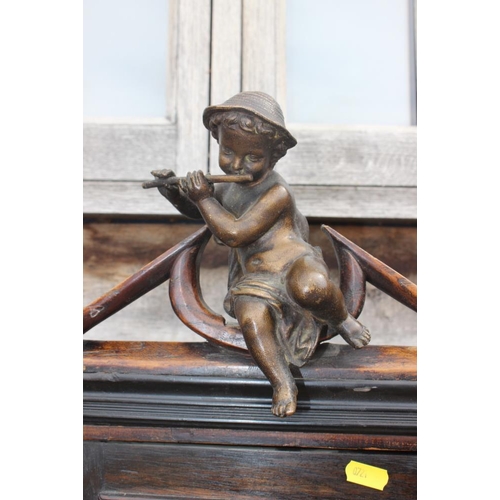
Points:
point(211, 178)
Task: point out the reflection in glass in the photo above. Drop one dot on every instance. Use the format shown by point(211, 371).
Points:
point(349, 62)
point(125, 58)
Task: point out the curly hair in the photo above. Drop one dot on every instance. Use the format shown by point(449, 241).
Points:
point(251, 124)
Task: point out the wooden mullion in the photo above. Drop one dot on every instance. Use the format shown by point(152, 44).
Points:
point(225, 66)
point(193, 67)
point(263, 62)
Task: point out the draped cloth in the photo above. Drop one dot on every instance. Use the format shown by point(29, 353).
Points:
point(297, 331)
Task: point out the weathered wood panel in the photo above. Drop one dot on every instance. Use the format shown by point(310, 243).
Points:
point(124, 198)
point(352, 156)
point(341, 202)
point(114, 251)
point(350, 202)
point(127, 151)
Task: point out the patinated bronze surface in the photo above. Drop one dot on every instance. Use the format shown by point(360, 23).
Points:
point(279, 289)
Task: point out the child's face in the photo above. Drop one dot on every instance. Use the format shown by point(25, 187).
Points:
point(241, 152)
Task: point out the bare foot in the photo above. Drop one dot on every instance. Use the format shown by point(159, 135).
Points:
point(284, 400)
point(353, 332)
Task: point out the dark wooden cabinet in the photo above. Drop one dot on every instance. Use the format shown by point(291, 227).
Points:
point(173, 420)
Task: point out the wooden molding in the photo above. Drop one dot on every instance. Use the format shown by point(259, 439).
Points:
point(370, 391)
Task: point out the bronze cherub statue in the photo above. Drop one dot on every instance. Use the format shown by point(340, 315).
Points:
point(279, 290)
point(279, 287)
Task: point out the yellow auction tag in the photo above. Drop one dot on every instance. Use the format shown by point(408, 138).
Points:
point(366, 475)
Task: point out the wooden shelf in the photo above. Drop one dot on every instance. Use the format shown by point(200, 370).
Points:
point(192, 407)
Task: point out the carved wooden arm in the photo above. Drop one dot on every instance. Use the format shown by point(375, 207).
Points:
point(357, 267)
point(181, 265)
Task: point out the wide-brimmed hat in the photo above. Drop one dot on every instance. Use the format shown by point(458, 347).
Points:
point(258, 104)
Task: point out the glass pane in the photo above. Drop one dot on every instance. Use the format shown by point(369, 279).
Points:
point(349, 62)
point(125, 58)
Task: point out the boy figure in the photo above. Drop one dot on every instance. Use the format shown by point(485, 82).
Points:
point(279, 286)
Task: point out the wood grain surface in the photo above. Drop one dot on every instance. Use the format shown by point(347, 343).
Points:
point(331, 202)
point(216, 472)
point(331, 362)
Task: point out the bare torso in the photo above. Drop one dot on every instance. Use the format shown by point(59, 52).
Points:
point(283, 242)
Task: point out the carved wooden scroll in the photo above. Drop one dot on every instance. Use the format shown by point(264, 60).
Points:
point(181, 265)
point(357, 267)
point(187, 301)
point(146, 279)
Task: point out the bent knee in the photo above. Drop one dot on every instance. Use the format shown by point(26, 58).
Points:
point(252, 314)
point(309, 284)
